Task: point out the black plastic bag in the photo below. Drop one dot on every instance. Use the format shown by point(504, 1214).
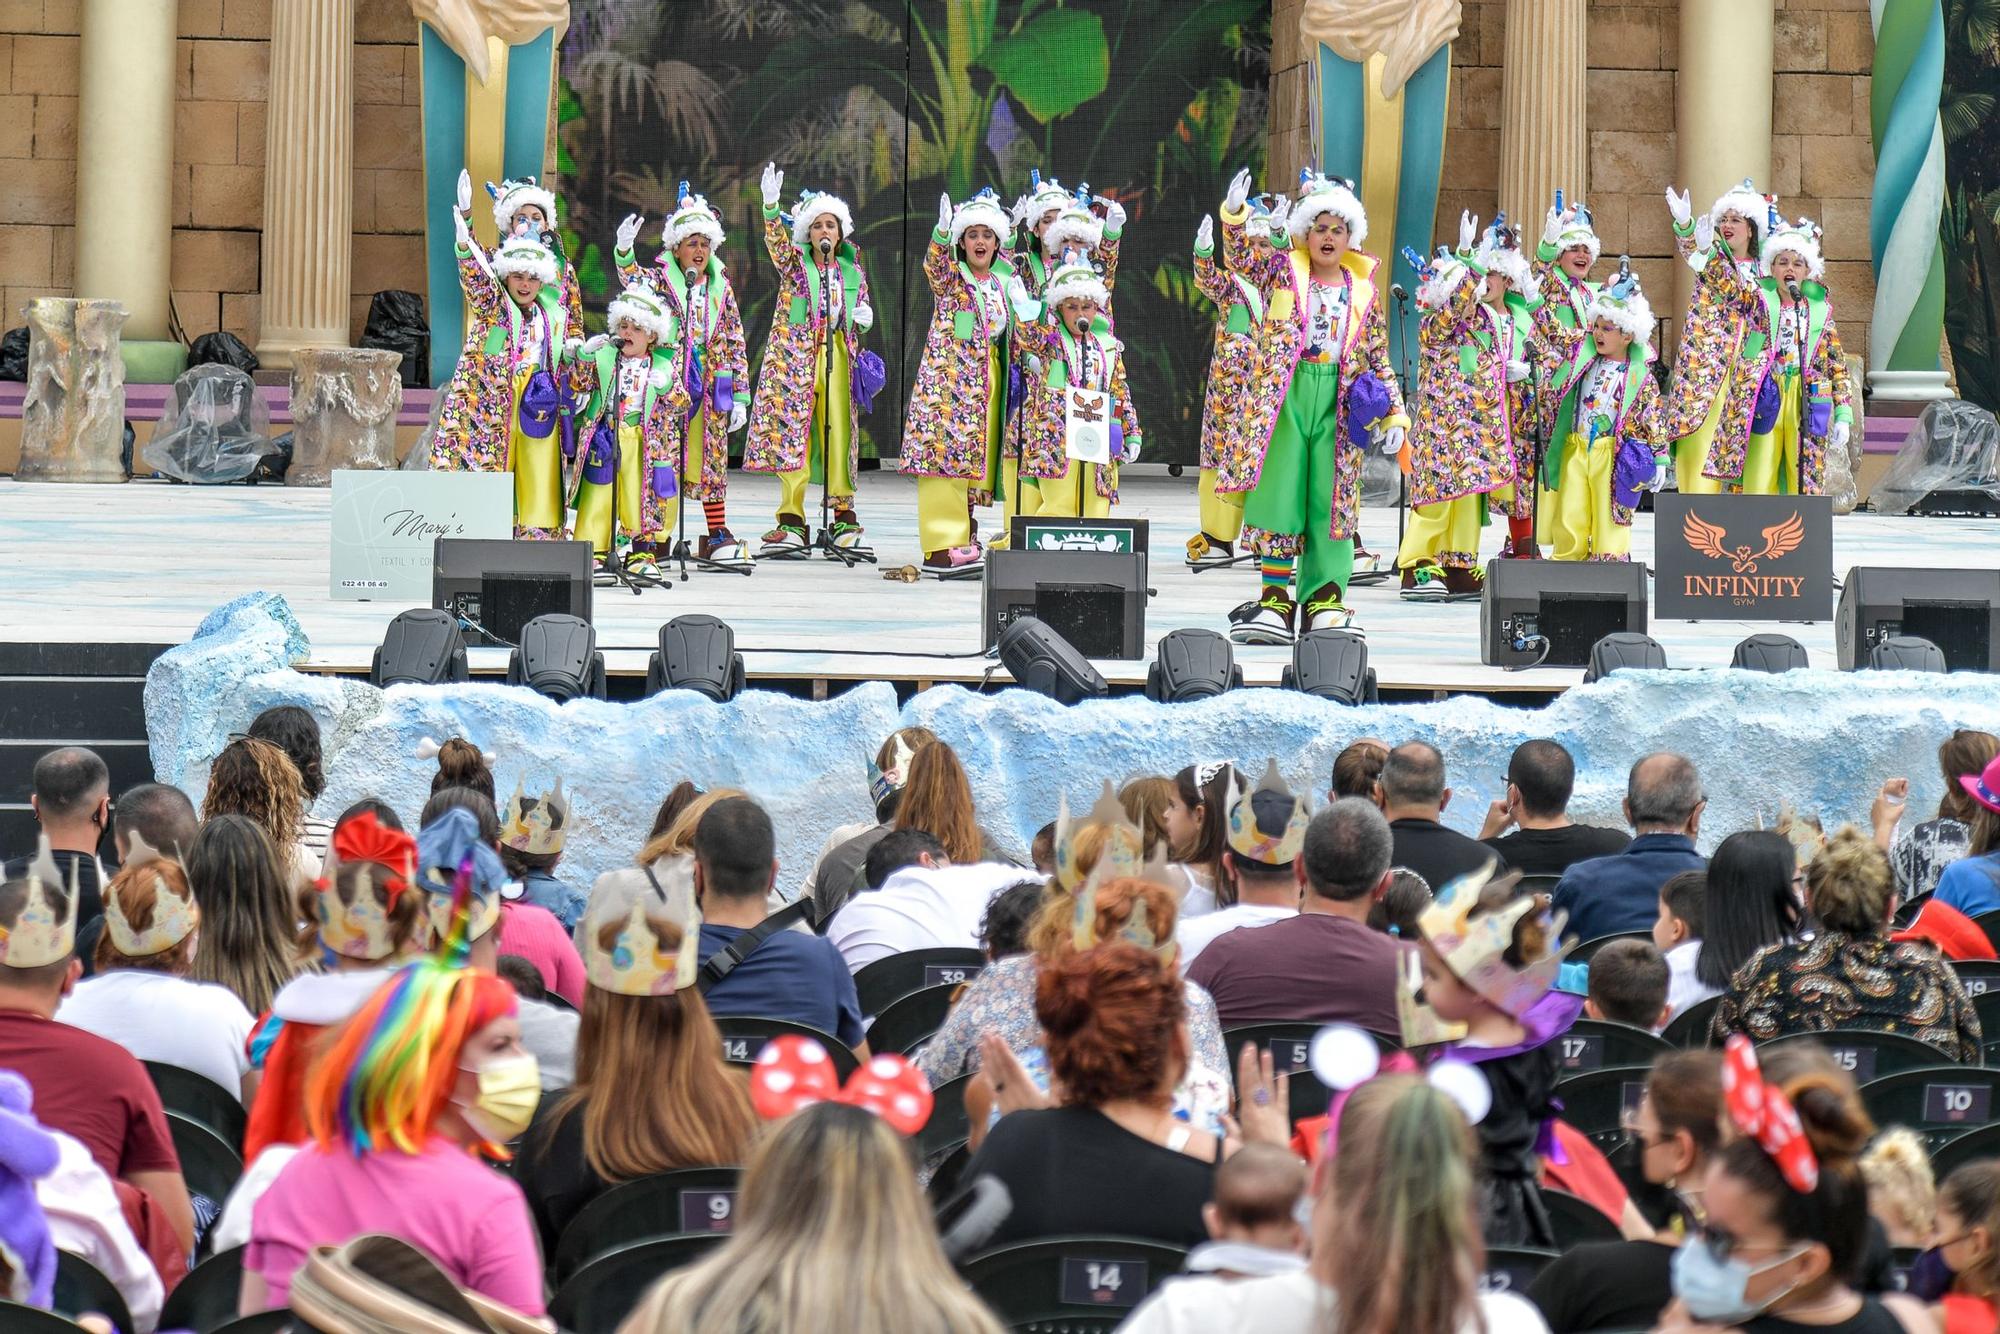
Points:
point(274, 465)
point(396, 323)
point(221, 349)
point(14, 355)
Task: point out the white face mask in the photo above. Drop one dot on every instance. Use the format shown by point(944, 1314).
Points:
point(1718, 1290)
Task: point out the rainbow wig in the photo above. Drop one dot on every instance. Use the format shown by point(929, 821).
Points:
point(389, 1071)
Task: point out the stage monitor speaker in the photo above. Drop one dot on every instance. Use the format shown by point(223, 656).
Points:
point(1569, 604)
point(1192, 664)
point(1094, 599)
point(1957, 610)
point(1771, 653)
point(697, 653)
point(422, 647)
point(1041, 660)
point(1623, 650)
point(1331, 664)
point(558, 658)
point(499, 586)
point(1906, 653)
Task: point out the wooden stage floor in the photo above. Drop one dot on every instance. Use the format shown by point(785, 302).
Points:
point(144, 562)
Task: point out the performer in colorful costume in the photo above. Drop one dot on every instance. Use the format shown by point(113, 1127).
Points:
point(688, 275)
point(956, 425)
point(1329, 390)
point(524, 207)
point(632, 427)
point(1608, 443)
point(1079, 423)
point(500, 411)
point(803, 424)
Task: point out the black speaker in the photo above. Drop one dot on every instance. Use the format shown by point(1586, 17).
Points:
point(698, 653)
point(1569, 604)
point(1906, 653)
point(499, 586)
point(1771, 653)
point(1043, 661)
point(1623, 649)
point(1331, 664)
point(1957, 610)
point(1192, 664)
point(1094, 599)
point(421, 647)
point(558, 658)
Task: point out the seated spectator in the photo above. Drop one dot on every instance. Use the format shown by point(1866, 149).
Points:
point(937, 798)
point(1902, 1190)
point(1003, 931)
point(294, 731)
point(533, 831)
point(1145, 800)
point(249, 926)
point(1541, 776)
point(1253, 1222)
point(255, 779)
point(1042, 850)
point(652, 1093)
point(1750, 899)
point(1955, 935)
point(1676, 1129)
point(141, 997)
point(162, 817)
point(1413, 799)
point(1196, 813)
point(1266, 828)
point(1968, 1241)
point(548, 1031)
point(1111, 1159)
point(1394, 1243)
point(1972, 883)
point(1356, 769)
point(460, 764)
point(836, 873)
point(671, 806)
point(1628, 985)
point(1920, 853)
point(827, 1180)
point(70, 795)
point(86, 1219)
point(662, 851)
point(423, 1077)
point(525, 929)
point(1614, 895)
point(751, 965)
point(1677, 934)
point(924, 901)
point(84, 1085)
point(1847, 974)
point(1323, 965)
point(1401, 904)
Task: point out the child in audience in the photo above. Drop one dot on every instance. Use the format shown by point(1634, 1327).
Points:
point(1042, 852)
point(1902, 1192)
point(1628, 985)
point(1677, 935)
point(1254, 1216)
point(1401, 904)
point(1968, 1240)
point(533, 831)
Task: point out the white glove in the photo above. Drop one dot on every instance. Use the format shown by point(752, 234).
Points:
point(1204, 236)
point(739, 413)
point(1836, 436)
point(628, 232)
point(464, 230)
point(1281, 213)
point(1391, 440)
point(1704, 234)
point(1114, 215)
point(1131, 454)
point(773, 181)
point(1680, 206)
point(1659, 482)
point(944, 214)
point(594, 342)
point(1552, 226)
point(864, 316)
point(464, 191)
point(1468, 229)
point(1517, 371)
point(1026, 308)
point(1239, 191)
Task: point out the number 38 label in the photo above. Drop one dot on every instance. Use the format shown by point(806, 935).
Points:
point(1103, 1282)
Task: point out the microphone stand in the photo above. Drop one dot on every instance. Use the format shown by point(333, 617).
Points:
point(1410, 393)
point(1799, 314)
point(847, 556)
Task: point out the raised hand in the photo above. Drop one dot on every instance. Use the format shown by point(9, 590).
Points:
point(464, 191)
point(1204, 236)
point(1114, 214)
point(773, 181)
point(1468, 230)
point(944, 214)
point(1239, 190)
point(1552, 225)
point(1704, 233)
point(1680, 206)
point(628, 232)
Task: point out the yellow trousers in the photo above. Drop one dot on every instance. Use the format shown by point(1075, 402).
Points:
point(1583, 526)
point(1221, 511)
point(594, 519)
point(1446, 532)
point(1074, 494)
point(537, 469)
point(943, 521)
point(1691, 452)
point(1771, 460)
point(826, 438)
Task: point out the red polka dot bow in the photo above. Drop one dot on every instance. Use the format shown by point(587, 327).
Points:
point(794, 1072)
point(1762, 1111)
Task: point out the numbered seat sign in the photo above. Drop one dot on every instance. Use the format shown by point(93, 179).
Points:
point(1103, 1282)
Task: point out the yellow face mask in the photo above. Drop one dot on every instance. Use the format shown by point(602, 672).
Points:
point(509, 1091)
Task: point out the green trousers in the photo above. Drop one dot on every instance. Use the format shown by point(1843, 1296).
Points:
point(1292, 503)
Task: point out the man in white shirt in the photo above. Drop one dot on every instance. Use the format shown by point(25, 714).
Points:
point(1260, 861)
point(924, 903)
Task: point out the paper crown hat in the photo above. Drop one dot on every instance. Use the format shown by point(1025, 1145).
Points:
point(1246, 834)
point(627, 937)
point(1076, 225)
point(982, 210)
point(1321, 194)
point(537, 826)
point(37, 938)
point(385, 859)
point(1123, 851)
point(448, 845)
point(510, 197)
point(174, 914)
point(1623, 302)
point(692, 216)
point(1474, 946)
point(882, 782)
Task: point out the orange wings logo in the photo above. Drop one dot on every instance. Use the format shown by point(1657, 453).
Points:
point(1090, 407)
point(1780, 539)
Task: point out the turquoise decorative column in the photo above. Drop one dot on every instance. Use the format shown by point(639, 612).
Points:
point(1903, 242)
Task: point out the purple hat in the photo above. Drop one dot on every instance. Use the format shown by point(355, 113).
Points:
point(1984, 786)
point(1367, 404)
point(1630, 471)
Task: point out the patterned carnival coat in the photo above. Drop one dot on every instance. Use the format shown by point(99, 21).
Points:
point(717, 348)
point(781, 416)
point(1233, 367)
point(1568, 354)
point(663, 416)
point(1033, 271)
point(1283, 276)
point(944, 434)
point(1721, 339)
point(1463, 442)
point(475, 422)
point(1055, 349)
point(1571, 298)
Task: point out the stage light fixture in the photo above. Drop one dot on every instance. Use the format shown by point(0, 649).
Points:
point(421, 647)
point(1906, 653)
point(698, 653)
point(1770, 653)
point(558, 658)
point(1192, 664)
point(1624, 649)
point(1331, 664)
point(1043, 661)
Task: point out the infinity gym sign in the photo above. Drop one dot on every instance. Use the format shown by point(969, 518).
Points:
point(1743, 558)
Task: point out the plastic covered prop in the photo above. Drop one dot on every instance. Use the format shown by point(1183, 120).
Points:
point(1956, 447)
point(215, 429)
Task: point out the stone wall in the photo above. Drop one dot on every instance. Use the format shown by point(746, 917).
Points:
point(219, 108)
point(1822, 161)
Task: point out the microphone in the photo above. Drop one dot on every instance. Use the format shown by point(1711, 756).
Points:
point(825, 247)
point(1396, 290)
point(690, 275)
point(1792, 289)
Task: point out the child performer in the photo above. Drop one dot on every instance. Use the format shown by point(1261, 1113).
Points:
point(1608, 443)
point(1333, 391)
point(953, 434)
point(1463, 447)
point(1079, 425)
point(632, 427)
point(1563, 261)
point(499, 412)
point(689, 276)
point(1725, 352)
point(803, 422)
point(525, 207)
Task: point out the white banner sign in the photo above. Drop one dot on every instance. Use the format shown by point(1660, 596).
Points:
point(386, 524)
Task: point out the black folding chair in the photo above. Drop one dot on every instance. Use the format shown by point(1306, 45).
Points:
point(83, 1289)
point(949, 1125)
point(1576, 1220)
point(744, 1036)
point(200, 1097)
point(1513, 1268)
point(1989, 922)
point(1598, 1044)
point(1585, 952)
point(1940, 1103)
point(1689, 1029)
point(1290, 1045)
point(209, 1163)
point(881, 983)
point(691, 1200)
point(1977, 976)
point(1595, 1103)
point(950, 1174)
point(1079, 1284)
point(1866, 1056)
point(599, 1296)
point(907, 1022)
point(264, 1322)
point(1970, 1147)
point(18, 1319)
point(208, 1297)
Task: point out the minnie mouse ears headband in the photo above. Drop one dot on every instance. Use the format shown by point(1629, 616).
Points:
point(793, 1073)
point(1344, 1058)
point(1764, 1114)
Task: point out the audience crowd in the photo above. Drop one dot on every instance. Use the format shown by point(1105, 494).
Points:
point(1261, 1062)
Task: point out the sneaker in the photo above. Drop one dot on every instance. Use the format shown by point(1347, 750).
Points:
point(1464, 585)
point(1327, 613)
point(1204, 551)
point(787, 538)
point(967, 559)
point(1423, 583)
point(1524, 551)
point(1268, 620)
point(722, 545)
point(642, 564)
point(1366, 561)
point(846, 530)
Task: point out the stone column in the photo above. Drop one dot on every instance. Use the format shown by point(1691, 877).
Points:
point(125, 159)
point(1722, 116)
point(73, 416)
point(344, 406)
point(308, 179)
point(1544, 146)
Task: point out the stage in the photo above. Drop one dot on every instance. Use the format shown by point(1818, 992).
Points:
point(143, 563)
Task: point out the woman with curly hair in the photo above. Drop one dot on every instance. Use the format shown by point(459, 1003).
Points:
point(255, 779)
